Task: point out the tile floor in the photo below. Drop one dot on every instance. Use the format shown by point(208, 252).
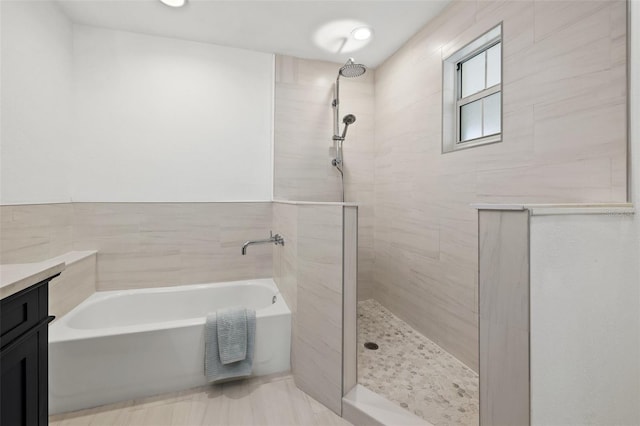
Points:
point(412, 371)
point(273, 400)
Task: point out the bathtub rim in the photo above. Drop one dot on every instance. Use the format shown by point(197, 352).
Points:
point(60, 331)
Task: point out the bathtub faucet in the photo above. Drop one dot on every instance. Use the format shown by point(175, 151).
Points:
point(275, 239)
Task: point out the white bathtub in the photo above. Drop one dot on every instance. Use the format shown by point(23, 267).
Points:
point(119, 345)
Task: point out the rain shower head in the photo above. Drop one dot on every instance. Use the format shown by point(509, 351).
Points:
point(351, 69)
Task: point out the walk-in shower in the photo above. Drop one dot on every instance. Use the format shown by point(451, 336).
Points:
point(349, 70)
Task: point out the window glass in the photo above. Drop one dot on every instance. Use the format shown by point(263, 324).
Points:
point(473, 76)
point(491, 115)
point(471, 120)
point(493, 65)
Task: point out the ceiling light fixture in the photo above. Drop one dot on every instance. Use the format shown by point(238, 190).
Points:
point(361, 33)
point(338, 37)
point(174, 3)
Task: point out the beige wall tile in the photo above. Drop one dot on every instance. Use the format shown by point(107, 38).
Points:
point(553, 17)
point(127, 270)
point(31, 233)
point(156, 244)
point(309, 272)
point(318, 365)
point(504, 317)
point(285, 272)
point(350, 300)
point(144, 244)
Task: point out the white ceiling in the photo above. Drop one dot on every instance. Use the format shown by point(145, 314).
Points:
point(290, 27)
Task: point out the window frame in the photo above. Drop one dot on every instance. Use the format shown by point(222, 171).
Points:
point(452, 92)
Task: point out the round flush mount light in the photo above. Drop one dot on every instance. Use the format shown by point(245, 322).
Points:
point(361, 33)
point(174, 3)
point(339, 36)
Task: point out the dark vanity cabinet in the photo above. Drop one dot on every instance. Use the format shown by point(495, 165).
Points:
point(23, 356)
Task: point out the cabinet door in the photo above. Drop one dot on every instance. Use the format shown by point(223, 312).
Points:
point(19, 383)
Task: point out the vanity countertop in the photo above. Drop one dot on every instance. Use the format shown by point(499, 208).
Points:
point(18, 276)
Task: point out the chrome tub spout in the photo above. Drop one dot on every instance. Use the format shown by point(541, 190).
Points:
point(275, 239)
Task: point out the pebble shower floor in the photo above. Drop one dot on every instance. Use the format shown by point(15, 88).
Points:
point(413, 371)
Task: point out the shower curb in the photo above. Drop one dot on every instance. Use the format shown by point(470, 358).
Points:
point(363, 407)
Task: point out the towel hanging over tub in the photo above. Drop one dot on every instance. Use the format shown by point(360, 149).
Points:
point(214, 368)
point(232, 334)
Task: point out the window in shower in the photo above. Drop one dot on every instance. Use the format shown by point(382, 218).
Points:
point(472, 93)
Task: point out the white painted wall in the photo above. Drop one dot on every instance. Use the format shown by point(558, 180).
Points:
point(90, 114)
point(36, 76)
point(160, 119)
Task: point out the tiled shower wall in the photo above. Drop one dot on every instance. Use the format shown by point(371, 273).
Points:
point(564, 141)
point(308, 270)
point(144, 244)
point(303, 131)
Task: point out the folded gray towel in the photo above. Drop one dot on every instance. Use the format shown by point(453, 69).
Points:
point(232, 334)
point(214, 370)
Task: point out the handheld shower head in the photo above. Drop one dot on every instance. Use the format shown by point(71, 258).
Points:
point(348, 120)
